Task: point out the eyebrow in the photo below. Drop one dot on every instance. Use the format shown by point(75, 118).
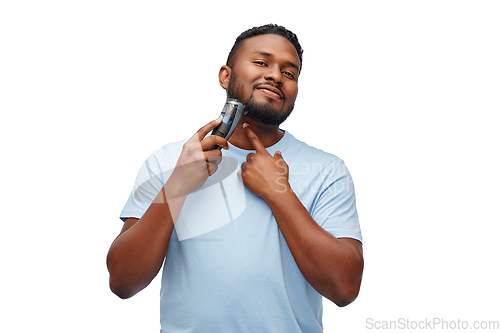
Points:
point(267, 54)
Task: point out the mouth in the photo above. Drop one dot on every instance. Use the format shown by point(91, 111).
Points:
point(270, 91)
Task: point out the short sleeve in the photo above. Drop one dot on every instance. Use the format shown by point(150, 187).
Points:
point(335, 206)
point(150, 180)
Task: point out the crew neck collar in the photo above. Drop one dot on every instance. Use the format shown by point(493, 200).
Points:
point(280, 145)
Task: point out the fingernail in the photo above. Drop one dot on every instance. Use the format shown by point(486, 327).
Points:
point(245, 125)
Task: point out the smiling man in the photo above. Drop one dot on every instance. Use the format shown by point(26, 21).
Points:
point(293, 237)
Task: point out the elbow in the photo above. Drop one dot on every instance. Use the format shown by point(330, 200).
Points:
point(119, 290)
point(123, 283)
point(118, 284)
point(346, 295)
point(345, 299)
point(122, 295)
point(347, 289)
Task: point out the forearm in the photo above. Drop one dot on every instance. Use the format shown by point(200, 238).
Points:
point(137, 254)
point(332, 266)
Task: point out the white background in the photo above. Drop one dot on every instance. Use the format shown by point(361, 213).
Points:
point(406, 92)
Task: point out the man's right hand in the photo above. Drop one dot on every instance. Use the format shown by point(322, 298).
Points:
point(196, 162)
point(137, 254)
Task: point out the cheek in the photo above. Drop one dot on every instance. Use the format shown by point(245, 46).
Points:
point(292, 94)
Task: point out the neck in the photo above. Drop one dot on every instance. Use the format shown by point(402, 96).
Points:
point(268, 134)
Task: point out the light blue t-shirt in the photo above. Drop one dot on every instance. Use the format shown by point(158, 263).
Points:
point(228, 268)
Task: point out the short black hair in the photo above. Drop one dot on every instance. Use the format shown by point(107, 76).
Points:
point(265, 30)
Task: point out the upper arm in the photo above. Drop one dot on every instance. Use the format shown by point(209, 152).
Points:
point(355, 245)
point(334, 208)
point(357, 262)
point(129, 223)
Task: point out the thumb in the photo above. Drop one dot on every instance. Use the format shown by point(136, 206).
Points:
point(277, 155)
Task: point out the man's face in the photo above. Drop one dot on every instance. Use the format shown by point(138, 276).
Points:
point(264, 76)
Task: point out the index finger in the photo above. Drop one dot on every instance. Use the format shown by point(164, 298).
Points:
point(202, 132)
point(254, 139)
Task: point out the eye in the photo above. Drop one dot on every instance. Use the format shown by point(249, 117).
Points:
point(260, 63)
point(289, 74)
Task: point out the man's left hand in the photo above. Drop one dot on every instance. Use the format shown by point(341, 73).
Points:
point(263, 174)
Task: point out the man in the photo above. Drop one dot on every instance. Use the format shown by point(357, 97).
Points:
point(292, 231)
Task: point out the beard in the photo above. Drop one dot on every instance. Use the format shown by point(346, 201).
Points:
point(261, 112)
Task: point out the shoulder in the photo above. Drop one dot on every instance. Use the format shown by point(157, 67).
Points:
point(165, 157)
point(302, 151)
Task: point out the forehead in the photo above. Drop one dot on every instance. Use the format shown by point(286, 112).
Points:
point(276, 45)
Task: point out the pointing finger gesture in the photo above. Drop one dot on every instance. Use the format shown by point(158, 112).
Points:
point(264, 175)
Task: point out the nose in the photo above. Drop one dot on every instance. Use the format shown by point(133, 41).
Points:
point(273, 74)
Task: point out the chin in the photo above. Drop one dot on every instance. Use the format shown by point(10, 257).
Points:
point(266, 114)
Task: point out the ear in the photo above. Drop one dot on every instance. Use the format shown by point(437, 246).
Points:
point(224, 74)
